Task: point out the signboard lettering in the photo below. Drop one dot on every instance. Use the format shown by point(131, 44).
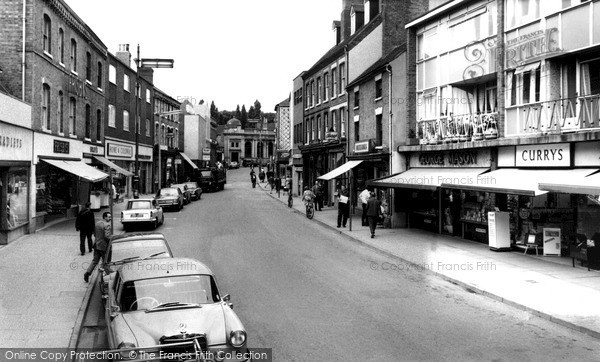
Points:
point(455, 158)
point(11, 142)
point(119, 150)
point(361, 147)
point(549, 155)
point(61, 147)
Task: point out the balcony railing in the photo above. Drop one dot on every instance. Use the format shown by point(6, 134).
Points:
point(555, 117)
point(459, 128)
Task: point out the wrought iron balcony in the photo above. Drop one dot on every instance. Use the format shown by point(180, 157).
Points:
point(555, 117)
point(458, 128)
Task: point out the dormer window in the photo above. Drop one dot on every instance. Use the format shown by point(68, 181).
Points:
point(357, 18)
point(337, 31)
point(371, 9)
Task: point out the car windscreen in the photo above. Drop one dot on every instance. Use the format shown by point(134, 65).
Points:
point(205, 173)
point(138, 204)
point(142, 248)
point(147, 293)
point(168, 192)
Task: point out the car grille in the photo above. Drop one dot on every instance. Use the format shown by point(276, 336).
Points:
point(184, 349)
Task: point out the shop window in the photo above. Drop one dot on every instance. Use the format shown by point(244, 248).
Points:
point(17, 197)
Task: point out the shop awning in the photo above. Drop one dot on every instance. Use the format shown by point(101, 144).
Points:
point(79, 168)
point(518, 181)
point(340, 170)
point(189, 160)
point(428, 178)
point(586, 185)
point(113, 166)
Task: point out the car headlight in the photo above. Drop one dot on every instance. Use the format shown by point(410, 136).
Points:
point(237, 338)
point(127, 354)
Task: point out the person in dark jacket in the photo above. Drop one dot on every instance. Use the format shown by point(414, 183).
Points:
point(102, 234)
point(343, 209)
point(85, 225)
point(373, 212)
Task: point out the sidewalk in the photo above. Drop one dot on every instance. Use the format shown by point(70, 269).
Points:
point(545, 286)
point(44, 296)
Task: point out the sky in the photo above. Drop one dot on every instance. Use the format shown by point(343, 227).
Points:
point(227, 51)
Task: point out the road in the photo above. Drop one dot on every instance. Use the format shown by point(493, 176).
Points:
point(310, 294)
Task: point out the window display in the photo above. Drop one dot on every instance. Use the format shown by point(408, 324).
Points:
point(17, 191)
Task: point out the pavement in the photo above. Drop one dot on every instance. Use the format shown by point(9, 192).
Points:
point(44, 297)
point(546, 286)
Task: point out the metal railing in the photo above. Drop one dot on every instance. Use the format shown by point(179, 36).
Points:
point(555, 117)
point(459, 128)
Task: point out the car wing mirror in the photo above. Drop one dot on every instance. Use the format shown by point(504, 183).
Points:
point(226, 298)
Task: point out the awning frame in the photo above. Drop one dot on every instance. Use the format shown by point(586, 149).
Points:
point(349, 165)
point(188, 160)
point(112, 165)
point(70, 166)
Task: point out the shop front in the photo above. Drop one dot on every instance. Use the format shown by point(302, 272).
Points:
point(63, 182)
point(426, 204)
point(15, 178)
point(319, 159)
point(552, 217)
point(122, 154)
point(375, 164)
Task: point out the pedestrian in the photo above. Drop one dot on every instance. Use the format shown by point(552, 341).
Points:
point(343, 209)
point(278, 186)
point(373, 213)
point(102, 233)
point(364, 197)
point(261, 175)
point(318, 191)
point(85, 225)
point(272, 183)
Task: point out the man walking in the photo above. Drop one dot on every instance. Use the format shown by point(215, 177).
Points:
point(102, 233)
point(85, 225)
point(318, 191)
point(364, 197)
point(343, 209)
point(373, 212)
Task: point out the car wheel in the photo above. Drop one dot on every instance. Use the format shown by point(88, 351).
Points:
point(155, 224)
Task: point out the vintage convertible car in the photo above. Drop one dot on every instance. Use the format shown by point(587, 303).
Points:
point(142, 211)
point(171, 306)
point(171, 197)
point(195, 190)
point(129, 248)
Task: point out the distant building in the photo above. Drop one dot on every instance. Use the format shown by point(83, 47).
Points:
point(255, 143)
point(283, 137)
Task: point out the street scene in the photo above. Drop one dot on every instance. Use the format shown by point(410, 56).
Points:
point(350, 180)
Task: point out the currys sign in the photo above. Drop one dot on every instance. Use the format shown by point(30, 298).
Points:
point(548, 155)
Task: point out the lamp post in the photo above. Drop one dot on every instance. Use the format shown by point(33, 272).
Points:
point(143, 63)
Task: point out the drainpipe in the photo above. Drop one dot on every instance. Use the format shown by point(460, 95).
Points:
point(388, 68)
point(350, 179)
point(23, 50)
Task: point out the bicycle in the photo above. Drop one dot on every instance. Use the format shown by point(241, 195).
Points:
point(310, 209)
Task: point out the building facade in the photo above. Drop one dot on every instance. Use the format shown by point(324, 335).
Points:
point(297, 133)
point(283, 139)
point(168, 126)
point(52, 60)
point(505, 111)
point(129, 128)
point(255, 144)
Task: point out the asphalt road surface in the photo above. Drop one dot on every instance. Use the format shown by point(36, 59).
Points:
point(310, 294)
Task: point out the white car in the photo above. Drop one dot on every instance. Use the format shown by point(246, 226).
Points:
point(142, 211)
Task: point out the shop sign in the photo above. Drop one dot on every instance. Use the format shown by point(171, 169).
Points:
point(331, 136)
point(120, 150)
point(532, 46)
point(362, 147)
point(206, 151)
point(587, 154)
point(459, 158)
point(547, 155)
point(169, 162)
point(61, 147)
point(205, 157)
point(15, 143)
point(178, 161)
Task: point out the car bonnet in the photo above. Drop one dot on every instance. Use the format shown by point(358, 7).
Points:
point(148, 328)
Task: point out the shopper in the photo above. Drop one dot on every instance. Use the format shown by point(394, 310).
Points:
point(102, 233)
point(364, 197)
point(343, 209)
point(373, 212)
point(85, 225)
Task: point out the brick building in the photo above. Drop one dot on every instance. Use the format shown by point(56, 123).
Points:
point(169, 140)
point(52, 60)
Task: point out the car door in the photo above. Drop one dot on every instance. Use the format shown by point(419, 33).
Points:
point(111, 301)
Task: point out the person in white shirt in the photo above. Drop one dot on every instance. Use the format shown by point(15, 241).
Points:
point(364, 198)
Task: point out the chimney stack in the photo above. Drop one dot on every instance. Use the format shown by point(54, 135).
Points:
point(124, 55)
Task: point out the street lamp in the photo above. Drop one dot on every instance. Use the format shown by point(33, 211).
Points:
point(143, 63)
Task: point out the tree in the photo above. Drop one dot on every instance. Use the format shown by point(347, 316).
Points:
point(252, 113)
point(214, 111)
point(257, 112)
point(244, 116)
point(238, 113)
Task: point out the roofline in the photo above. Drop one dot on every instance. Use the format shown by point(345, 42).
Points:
point(435, 12)
point(385, 61)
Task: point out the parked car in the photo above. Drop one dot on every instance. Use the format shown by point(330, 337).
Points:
point(234, 164)
point(142, 211)
point(132, 247)
point(195, 190)
point(187, 196)
point(212, 179)
point(166, 301)
point(170, 197)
